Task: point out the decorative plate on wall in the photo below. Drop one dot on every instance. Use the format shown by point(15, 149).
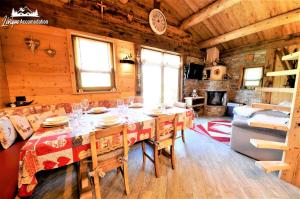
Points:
point(158, 22)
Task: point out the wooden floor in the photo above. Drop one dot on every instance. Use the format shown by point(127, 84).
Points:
point(205, 169)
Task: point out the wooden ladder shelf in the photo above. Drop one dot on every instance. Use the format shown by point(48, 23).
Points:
point(271, 107)
point(289, 166)
point(282, 73)
point(269, 126)
point(271, 166)
point(263, 144)
point(275, 90)
point(293, 56)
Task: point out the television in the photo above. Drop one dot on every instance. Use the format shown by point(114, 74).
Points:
point(194, 71)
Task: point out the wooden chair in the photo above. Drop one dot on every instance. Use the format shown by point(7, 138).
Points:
point(162, 140)
point(181, 105)
point(114, 159)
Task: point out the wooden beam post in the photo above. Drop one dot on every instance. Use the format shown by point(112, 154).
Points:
point(292, 156)
point(207, 12)
point(292, 39)
point(289, 17)
point(269, 67)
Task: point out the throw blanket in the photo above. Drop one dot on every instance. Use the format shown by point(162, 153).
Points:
point(246, 111)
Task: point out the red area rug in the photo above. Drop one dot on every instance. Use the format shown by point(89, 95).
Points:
point(219, 130)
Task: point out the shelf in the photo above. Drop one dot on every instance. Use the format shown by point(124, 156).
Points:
point(279, 90)
point(293, 56)
point(269, 126)
point(282, 73)
point(270, 166)
point(264, 144)
point(271, 107)
point(194, 98)
point(197, 105)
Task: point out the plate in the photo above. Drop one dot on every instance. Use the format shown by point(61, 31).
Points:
point(136, 105)
point(98, 110)
point(55, 121)
point(48, 125)
point(58, 119)
point(102, 124)
point(154, 113)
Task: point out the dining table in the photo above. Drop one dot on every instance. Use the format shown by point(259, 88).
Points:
point(50, 148)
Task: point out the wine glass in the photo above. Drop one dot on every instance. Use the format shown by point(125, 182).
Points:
point(130, 101)
point(120, 106)
point(120, 103)
point(85, 105)
point(76, 109)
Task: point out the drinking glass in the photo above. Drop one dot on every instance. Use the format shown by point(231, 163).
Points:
point(85, 105)
point(121, 107)
point(130, 101)
point(79, 109)
point(120, 103)
point(76, 109)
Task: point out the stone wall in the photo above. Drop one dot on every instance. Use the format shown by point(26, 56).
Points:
point(235, 65)
point(204, 85)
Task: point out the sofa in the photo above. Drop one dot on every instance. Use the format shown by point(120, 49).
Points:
point(9, 158)
point(242, 133)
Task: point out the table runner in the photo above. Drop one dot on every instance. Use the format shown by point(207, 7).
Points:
point(56, 147)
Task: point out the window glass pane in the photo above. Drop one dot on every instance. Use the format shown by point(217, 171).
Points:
point(252, 82)
point(253, 73)
point(95, 79)
point(173, 60)
point(171, 81)
point(151, 56)
point(151, 76)
point(94, 55)
point(154, 63)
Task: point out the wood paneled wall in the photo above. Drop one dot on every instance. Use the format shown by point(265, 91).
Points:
point(47, 79)
point(86, 16)
point(4, 94)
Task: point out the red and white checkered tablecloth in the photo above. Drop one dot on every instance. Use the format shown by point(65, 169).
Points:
point(52, 148)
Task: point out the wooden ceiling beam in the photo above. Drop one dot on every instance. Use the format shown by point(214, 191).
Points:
point(207, 12)
point(289, 17)
point(287, 40)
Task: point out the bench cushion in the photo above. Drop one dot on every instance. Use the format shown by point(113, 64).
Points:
point(7, 133)
point(22, 126)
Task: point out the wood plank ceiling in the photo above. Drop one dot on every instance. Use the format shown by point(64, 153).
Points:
point(230, 15)
point(242, 14)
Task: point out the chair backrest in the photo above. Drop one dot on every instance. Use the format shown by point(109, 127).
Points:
point(119, 131)
point(166, 127)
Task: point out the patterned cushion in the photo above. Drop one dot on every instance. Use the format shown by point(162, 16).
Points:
point(109, 143)
point(22, 126)
point(36, 120)
point(8, 133)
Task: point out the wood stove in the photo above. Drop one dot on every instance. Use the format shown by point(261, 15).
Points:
point(215, 103)
point(216, 98)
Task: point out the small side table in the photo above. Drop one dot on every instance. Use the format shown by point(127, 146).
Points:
point(196, 103)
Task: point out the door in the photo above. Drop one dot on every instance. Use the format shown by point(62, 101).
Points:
point(160, 77)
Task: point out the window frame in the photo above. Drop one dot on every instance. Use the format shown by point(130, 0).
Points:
point(76, 85)
point(162, 66)
point(243, 86)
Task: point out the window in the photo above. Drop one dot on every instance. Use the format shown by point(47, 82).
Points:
point(94, 64)
point(160, 77)
point(252, 77)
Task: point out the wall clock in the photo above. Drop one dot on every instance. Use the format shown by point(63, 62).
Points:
point(158, 22)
